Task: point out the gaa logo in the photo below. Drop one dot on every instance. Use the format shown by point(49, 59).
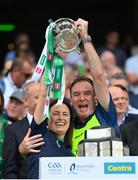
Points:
point(54, 165)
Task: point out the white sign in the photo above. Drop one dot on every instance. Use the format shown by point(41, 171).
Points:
point(125, 167)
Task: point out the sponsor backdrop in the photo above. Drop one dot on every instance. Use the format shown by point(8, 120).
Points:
point(89, 167)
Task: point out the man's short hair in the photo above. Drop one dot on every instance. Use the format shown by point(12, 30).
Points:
point(80, 79)
point(119, 76)
point(120, 86)
point(18, 63)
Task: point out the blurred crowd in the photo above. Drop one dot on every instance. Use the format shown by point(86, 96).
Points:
point(120, 64)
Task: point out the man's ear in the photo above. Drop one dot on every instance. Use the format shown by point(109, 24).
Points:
point(25, 101)
point(95, 100)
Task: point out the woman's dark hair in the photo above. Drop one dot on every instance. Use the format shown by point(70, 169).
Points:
point(1, 102)
point(69, 133)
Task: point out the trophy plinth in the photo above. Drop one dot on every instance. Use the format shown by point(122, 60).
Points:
point(101, 141)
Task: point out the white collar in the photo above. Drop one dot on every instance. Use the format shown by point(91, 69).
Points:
point(29, 117)
point(132, 110)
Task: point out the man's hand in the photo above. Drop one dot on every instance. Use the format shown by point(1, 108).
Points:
point(29, 144)
point(83, 26)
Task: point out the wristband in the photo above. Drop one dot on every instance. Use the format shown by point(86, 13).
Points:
point(87, 39)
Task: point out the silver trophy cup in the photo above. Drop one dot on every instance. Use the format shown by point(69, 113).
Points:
point(66, 35)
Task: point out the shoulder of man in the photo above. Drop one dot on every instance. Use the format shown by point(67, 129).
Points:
point(131, 117)
point(23, 123)
point(128, 126)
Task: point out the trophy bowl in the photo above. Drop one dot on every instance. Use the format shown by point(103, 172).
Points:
point(66, 35)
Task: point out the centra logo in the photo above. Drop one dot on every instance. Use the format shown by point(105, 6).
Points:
point(119, 168)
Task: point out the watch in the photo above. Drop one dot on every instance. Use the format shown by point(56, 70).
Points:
point(87, 39)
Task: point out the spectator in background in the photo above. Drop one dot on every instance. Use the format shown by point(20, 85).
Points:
point(121, 79)
point(112, 39)
point(131, 69)
point(21, 47)
point(15, 109)
point(68, 79)
point(74, 67)
point(20, 71)
point(87, 72)
point(3, 123)
point(127, 43)
point(109, 64)
point(15, 166)
point(76, 61)
point(121, 100)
